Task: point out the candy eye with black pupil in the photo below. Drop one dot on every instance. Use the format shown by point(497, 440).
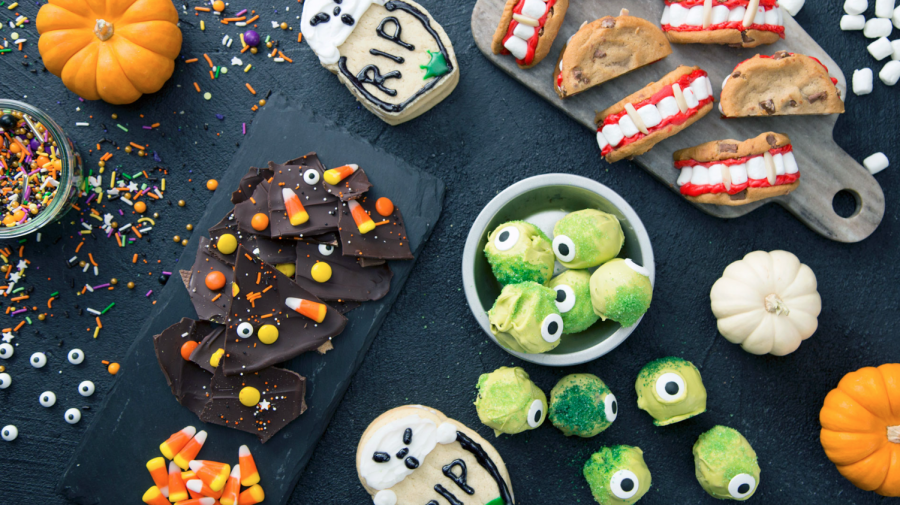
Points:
point(86, 388)
point(76, 356)
point(565, 298)
point(311, 177)
point(670, 387)
point(624, 484)
point(326, 249)
point(536, 414)
point(411, 463)
point(507, 238)
point(47, 399)
point(245, 330)
point(552, 328)
point(381, 457)
point(563, 248)
point(741, 486)
point(611, 407)
point(402, 453)
point(72, 416)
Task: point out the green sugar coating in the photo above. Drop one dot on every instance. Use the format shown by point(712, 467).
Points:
point(653, 369)
point(578, 406)
point(620, 293)
point(597, 236)
point(530, 259)
point(628, 305)
point(603, 464)
point(517, 316)
point(582, 315)
point(504, 401)
point(719, 455)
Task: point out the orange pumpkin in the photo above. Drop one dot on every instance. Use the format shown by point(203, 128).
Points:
point(114, 50)
point(861, 428)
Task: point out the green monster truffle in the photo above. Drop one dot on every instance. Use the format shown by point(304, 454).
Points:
point(725, 464)
point(573, 299)
point(509, 402)
point(587, 238)
point(581, 404)
point(617, 475)
point(525, 318)
point(621, 291)
point(519, 252)
point(670, 390)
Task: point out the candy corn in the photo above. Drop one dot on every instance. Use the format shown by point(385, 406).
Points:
point(154, 496)
point(249, 475)
point(295, 211)
point(190, 450)
point(176, 442)
point(198, 501)
point(362, 219)
point(336, 175)
point(313, 310)
point(212, 473)
point(232, 487)
point(252, 496)
point(199, 489)
point(177, 490)
point(157, 468)
point(188, 475)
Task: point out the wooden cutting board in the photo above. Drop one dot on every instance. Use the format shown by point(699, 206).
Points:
point(825, 168)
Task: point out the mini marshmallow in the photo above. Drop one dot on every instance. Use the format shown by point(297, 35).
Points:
point(876, 163)
point(677, 15)
point(790, 163)
point(884, 8)
point(701, 89)
point(738, 173)
point(667, 107)
point(650, 115)
point(9, 433)
point(601, 141)
point(685, 176)
point(715, 173)
point(629, 129)
point(760, 17)
point(854, 7)
point(737, 14)
point(756, 168)
point(862, 81)
point(896, 17)
point(694, 16)
point(881, 48)
point(516, 46)
point(877, 28)
point(700, 176)
point(792, 6)
point(524, 32)
point(665, 16)
point(690, 98)
point(719, 14)
point(534, 9)
point(613, 134)
point(895, 49)
point(772, 16)
point(779, 163)
point(852, 23)
point(890, 73)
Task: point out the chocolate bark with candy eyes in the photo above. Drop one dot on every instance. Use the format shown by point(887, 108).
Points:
point(209, 346)
point(281, 400)
point(267, 249)
point(249, 182)
point(210, 305)
point(188, 382)
point(349, 280)
point(296, 333)
point(350, 188)
point(387, 241)
point(257, 204)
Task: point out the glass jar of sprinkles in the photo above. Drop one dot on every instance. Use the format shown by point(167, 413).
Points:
point(40, 170)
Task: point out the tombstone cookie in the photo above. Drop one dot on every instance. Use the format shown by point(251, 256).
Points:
point(394, 58)
point(414, 455)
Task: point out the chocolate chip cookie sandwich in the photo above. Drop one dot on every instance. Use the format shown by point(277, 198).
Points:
point(528, 28)
point(662, 109)
point(605, 49)
point(778, 85)
point(740, 23)
point(729, 172)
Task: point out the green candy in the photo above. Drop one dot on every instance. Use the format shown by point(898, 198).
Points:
point(726, 464)
point(509, 402)
point(617, 475)
point(525, 318)
point(670, 390)
point(519, 252)
point(574, 303)
point(581, 404)
point(587, 238)
point(621, 291)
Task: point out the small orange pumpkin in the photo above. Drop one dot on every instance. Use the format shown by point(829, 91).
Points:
point(861, 428)
point(114, 50)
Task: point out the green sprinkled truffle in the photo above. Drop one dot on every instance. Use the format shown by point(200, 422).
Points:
point(519, 252)
point(509, 402)
point(573, 298)
point(725, 464)
point(617, 475)
point(621, 291)
point(587, 238)
point(671, 390)
point(525, 318)
point(581, 404)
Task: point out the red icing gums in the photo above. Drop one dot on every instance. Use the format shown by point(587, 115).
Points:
point(732, 161)
point(533, 41)
point(701, 189)
point(731, 4)
point(728, 25)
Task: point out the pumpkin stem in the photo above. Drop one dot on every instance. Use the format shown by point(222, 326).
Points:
point(894, 434)
point(103, 29)
point(775, 305)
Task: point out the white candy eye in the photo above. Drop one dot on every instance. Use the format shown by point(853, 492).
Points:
point(245, 330)
point(624, 484)
point(565, 298)
point(47, 399)
point(9, 433)
point(564, 248)
point(86, 388)
point(76, 356)
point(611, 407)
point(507, 238)
point(670, 387)
point(6, 351)
point(536, 414)
point(5, 380)
point(326, 249)
point(38, 360)
point(741, 486)
point(311, 177)
point(72, 416)
point(552, 328)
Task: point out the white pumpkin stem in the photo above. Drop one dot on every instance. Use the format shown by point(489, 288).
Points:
point(103, 29)
point(775, 305)
point(894, 434)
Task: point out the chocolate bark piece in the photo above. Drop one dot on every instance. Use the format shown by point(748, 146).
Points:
point(210, 305)
point(350, 188)
point(349, 280)
point(249, 182)
point(281, 400)
point(256, 204)
point(208, 347)
point(344, 307)
point(370, 262)
point(188, 382)
point(387, 241)
point(260, 300)
point(270, 250)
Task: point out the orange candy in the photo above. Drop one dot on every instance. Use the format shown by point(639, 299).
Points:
point(384, 206)
point(219, 6)
point(154, 496)
point(249, 474)
point(140, 207)
point(113, 368)
point(259, 222)
point(215, 280)
point(212, 473)
point(252, 495)
point(177, 441)
point(212, 184)
point(313, 310)
point(187, 348)
point(177, 489)
point(232, 487)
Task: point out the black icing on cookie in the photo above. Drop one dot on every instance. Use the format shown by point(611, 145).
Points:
point(256, 204)
point(249, 182)
point(188, 382)
point(209, 346)
point(281, 400)
point(270, 250)
point(210, 305)
point(387, 241)
point(349, 280)
point(260, 301)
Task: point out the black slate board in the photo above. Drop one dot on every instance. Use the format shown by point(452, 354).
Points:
point(140, 412)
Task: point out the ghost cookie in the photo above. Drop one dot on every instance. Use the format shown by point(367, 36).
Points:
point(581, 404)
point(415, 455)
point(726, 464)
point(519, 252)
point(395, 59)
point(670, 390)
point(573, 299)
point(587, 238)
point(617, 475)
point(525, 318)
point(621, 291)
point(509, 402)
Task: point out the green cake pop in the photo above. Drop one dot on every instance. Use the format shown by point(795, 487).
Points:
point(670, 390)
point(581, 404)
point(587, 238)
point(617, 475)
point(573, 299)
point(519, 252)
point(726, 464)
point(525, 318)
point(509, 402)
point(621, 291)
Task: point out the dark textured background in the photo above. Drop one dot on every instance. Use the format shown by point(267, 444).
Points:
point(488, 134)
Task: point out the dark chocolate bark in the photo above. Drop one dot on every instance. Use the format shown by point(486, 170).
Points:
point(249, 182)
point(349, 280)
point(256, 204)
point(209, 346)
point(387, 241)
point(270, 250)
point(188, 382)
point(210, 305)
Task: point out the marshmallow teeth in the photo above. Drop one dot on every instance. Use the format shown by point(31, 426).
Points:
point(762, 167)
point(706, 16)
point(527, 27)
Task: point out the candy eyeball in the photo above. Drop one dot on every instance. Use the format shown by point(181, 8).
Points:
point(536, 413)
point(76, 356)
point(47, 399)
point(5, 380)
point(587, 238)
point(565, 298)
point(9, 433)
point(725, 464)
point(86, 388)
point(624, 484)
point(245, 330)
point(311, 177)
point(581, 404)
point(573, 299)
point(509, 402)
point(6, 351)
point(617, 475)
point(611, 407)
point(741, 486)
point(563, 248)
point(72, 416)
point(507, 238)
point(38, 360)
point(326, 249)
point(524, 318)
point(670, 388)
point(519, 252)
point(552, 328)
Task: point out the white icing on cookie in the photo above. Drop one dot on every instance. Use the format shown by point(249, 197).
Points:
point(326, 36)
point(389, 440)
point(385, 497)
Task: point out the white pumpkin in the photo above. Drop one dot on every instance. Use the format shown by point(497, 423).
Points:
point(767, 302)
